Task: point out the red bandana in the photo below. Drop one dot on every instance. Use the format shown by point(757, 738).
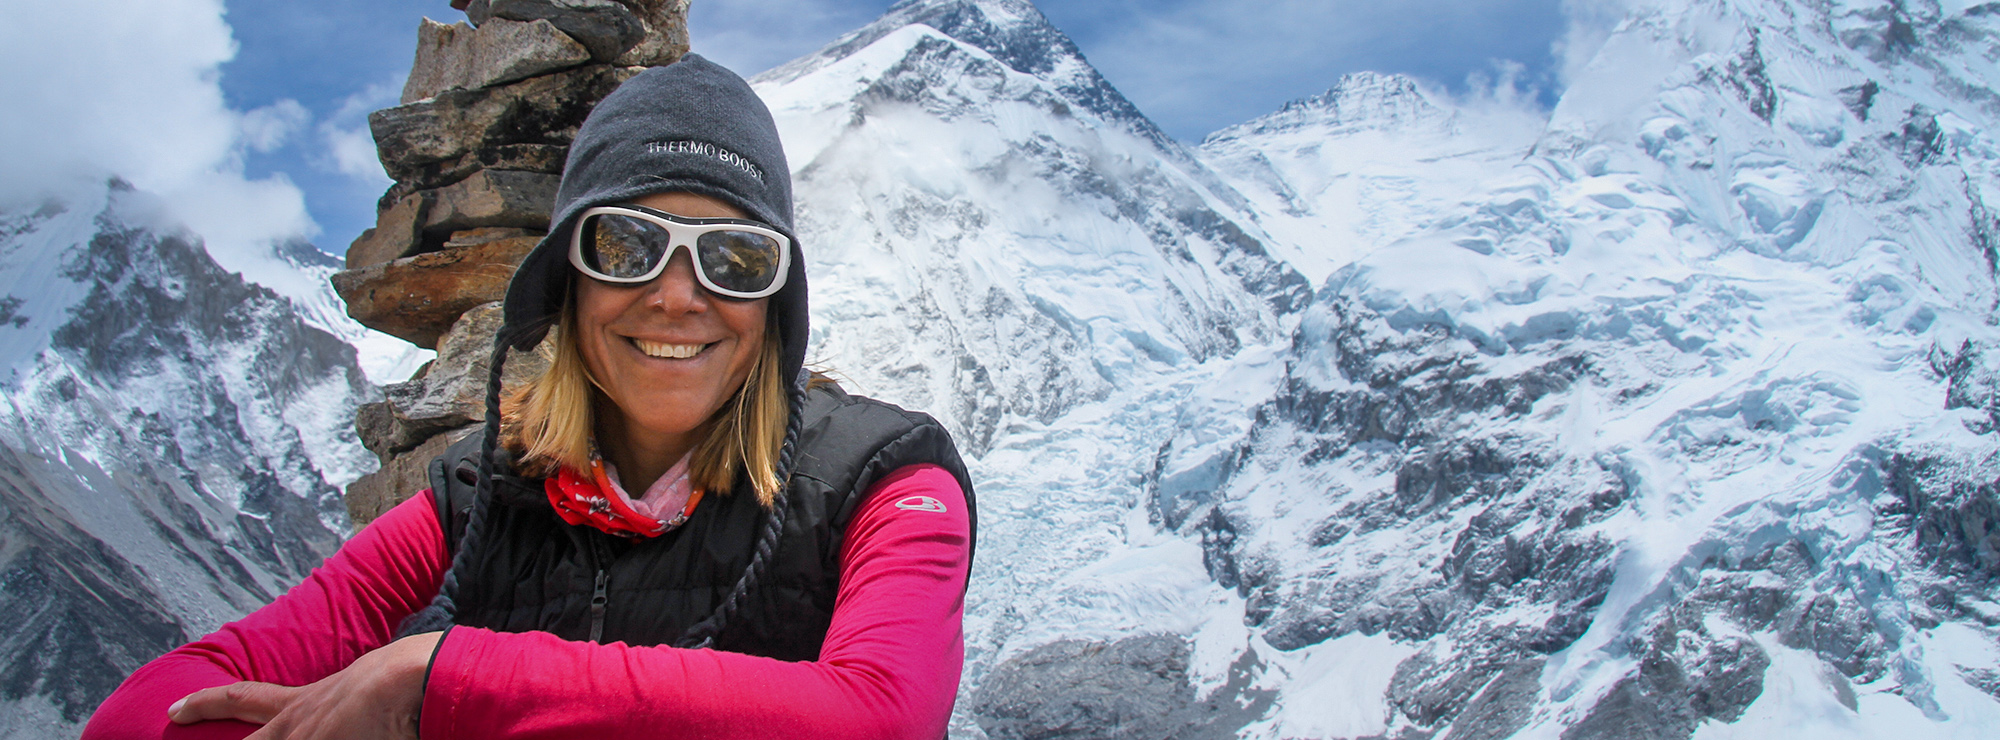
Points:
point(599, 502)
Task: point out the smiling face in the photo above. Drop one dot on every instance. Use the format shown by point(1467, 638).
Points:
point(667, 354)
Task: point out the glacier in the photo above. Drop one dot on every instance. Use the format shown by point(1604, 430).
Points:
point(1670, 414)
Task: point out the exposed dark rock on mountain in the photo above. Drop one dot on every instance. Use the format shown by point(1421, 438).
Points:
point(1134, 688)
point(169, 455)
point(1677, 415)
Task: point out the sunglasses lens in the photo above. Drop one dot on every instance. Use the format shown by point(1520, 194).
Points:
point(739, 261)
point(621, 246)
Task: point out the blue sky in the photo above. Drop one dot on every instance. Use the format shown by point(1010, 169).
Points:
point(285, 146)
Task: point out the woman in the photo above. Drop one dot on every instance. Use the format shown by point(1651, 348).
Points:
point(673, 533)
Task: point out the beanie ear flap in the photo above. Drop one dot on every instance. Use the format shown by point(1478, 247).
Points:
point(703, 633)
point(442, 612)
point(537, 292)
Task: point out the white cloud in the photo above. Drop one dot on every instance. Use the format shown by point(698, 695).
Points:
point(351, 152)
point(128, 88)
point(1198, 66)
point(265, 129)
point(752, 37)
point(112, 86)
point(1590, 24)
point(238, 217)
point(350, 146)
point(374, 97)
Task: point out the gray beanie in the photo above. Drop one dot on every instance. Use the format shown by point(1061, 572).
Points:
point(689, 126)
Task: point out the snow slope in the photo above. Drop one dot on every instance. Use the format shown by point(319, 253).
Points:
point(999, 239)
point(1672, 428)
point(1674, 417)
point(1371, 161)
point(171, 450)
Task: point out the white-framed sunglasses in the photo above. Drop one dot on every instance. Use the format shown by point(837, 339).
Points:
point(733, 257)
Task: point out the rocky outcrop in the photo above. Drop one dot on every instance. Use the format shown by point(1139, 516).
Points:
point(401, 477)
point(411, 297)
point(437, 141)
point(449, 393)
point(666, 36)
point(608, 28)
point(632, 33)
point(1137, 687)
point(476, 149)
point(460, 57)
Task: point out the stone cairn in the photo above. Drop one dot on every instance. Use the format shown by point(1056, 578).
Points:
point(476, 149)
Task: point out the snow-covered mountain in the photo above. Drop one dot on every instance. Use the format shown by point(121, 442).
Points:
point(301, 274)
point(997, 237)
point(1674, 417)
point(1373, 160)
point(973, 191)
point(1673, 414)
point(1675, 428)
point(171, 449)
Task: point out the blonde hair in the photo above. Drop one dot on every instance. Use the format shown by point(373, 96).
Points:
point(548, 422)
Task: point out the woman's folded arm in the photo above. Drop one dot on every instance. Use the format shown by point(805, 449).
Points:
point(348, 606)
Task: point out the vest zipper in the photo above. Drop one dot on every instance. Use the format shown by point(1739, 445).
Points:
point(600, 559)
point(597, 602)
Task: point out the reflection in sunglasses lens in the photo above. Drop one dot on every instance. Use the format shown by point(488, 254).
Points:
point(738, 260)
point(622, 246)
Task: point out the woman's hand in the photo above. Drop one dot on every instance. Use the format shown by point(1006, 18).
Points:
point(376, 696)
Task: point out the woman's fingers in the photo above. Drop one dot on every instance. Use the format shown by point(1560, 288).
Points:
point(376, 697)
point(249, 701)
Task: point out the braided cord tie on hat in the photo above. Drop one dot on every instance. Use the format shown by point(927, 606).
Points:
point(443, 609)
point(703, 633)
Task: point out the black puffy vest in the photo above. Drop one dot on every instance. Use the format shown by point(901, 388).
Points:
point(535, 572)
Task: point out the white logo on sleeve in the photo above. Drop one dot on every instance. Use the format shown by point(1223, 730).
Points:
point(920, 503)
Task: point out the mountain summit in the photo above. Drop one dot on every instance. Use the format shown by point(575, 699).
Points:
point(977, 212)
point(170, 451)
point(1674, 414)
point(1012, 32)
point(1669, 415)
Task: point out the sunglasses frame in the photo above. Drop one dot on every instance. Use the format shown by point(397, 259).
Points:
point(682, 231)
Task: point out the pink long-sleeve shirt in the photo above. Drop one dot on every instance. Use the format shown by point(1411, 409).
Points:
point(889, 667)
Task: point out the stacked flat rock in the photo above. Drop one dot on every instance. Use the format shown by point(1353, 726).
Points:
point(476, 149)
